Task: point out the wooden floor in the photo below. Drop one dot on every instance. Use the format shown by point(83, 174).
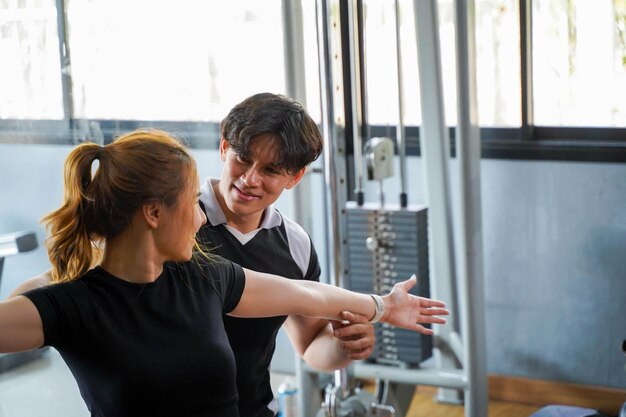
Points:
point(423, 405)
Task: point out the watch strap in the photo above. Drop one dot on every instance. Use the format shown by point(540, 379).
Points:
point(380, 308)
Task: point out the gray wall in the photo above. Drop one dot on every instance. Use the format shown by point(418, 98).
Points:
point(554, 255)
point(555, 270)
point(554, 249)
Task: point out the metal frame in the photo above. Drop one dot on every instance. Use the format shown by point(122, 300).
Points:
point(459, 360)
point(64, 55)
point(469, 231)
point(295, 67)
point(435, 151)
point(14, 243)
point(333, 129)
point(526, 64)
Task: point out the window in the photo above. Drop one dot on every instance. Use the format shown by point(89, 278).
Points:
point(182, 66)
point(579, 63)
point(30, 74)
point(190, 60)
point(551, 75)
point(498, 61)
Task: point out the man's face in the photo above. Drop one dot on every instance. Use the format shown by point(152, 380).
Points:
point(251, 183)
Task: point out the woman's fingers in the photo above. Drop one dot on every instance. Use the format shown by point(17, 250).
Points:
point(435, 311)
point(430, 319)
point(429, 302)
point(423, 330)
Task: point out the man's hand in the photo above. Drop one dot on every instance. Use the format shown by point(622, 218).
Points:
point(355, 334)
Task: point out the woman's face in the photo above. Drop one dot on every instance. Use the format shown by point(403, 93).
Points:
point(181, 223)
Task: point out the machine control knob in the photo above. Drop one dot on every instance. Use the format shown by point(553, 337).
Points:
point(371, 243)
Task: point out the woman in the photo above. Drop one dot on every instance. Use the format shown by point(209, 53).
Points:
point(137, 320)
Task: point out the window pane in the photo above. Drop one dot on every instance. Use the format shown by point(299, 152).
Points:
point(579, 62)
point(381, 74)
point(30, 74)
point(497, 55)
point(188, 60)
point(498, 63)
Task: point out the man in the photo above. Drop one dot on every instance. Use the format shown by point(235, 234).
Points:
point(267, 143)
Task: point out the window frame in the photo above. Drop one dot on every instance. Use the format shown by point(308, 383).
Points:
point(562, 143)
point(528, 142)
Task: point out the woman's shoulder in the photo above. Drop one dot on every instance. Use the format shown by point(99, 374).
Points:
point(211, 265)
point(44, 281)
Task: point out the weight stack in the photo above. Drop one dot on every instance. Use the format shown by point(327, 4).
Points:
point(387, 245)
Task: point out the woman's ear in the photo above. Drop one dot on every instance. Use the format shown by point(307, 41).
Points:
point(152, 214)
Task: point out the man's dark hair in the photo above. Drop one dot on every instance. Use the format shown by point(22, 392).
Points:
point(299, 139)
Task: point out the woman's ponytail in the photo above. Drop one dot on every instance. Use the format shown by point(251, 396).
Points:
point(70, 245)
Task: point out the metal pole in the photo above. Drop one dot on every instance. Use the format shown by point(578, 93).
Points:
point(66, 68)
point(469, 242)
point(435, 146)
point(295, 80)
point(400, 132)
point(333, 130)
point(355, 96)
point(293, 40)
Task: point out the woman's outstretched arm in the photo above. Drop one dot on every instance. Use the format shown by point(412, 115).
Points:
point(268, 295)
point(20, 325)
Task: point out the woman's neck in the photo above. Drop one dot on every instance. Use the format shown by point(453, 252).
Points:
point(132, 259)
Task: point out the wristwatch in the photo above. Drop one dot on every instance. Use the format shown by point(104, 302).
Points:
point(380, 308)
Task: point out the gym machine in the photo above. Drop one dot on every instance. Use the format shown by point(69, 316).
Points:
point(14, 244)
point(373, 244)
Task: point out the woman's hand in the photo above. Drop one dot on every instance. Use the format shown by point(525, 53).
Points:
point(408, 311)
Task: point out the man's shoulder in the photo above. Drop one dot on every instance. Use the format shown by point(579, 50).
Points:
point(301, 247)
point(292, 227)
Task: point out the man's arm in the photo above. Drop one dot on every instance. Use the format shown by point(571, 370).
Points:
point(38, 281)
point(326, 346)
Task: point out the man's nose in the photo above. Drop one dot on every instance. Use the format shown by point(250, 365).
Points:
point(252, 177)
